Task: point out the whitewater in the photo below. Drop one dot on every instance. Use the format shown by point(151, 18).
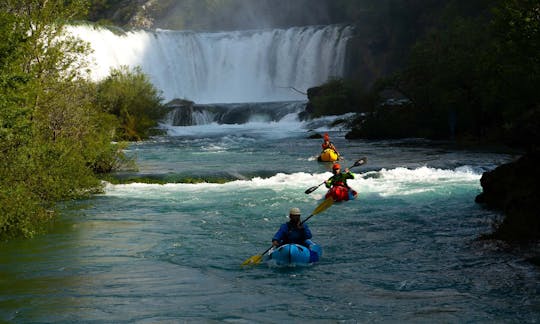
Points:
point(223, 67)
point(405, 250)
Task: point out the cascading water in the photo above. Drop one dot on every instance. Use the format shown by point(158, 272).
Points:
point(225, 67)
point(237, 113)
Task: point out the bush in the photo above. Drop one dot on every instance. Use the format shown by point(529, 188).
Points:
point(129, 95)
point(22, 213)
point(337, 97)
point(52, 136)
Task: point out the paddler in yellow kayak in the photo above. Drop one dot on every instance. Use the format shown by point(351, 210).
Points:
point(329, 152)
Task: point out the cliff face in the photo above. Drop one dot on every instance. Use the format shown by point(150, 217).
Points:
point(119, 13)
point(212, 15)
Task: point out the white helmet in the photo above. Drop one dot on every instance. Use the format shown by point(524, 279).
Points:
point(294, 211)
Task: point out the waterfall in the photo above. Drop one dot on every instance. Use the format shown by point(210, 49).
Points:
point(233, 113)
point(224, 67)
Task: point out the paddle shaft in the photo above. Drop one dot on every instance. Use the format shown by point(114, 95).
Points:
point(357, 163)
point(300, 224)
point(310, 190)
point(322, 207)
point(307, 218)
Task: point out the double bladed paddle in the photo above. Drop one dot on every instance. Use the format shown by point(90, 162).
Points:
point(357, 163)
point(256, 259)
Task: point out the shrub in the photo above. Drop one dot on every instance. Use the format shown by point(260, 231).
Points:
point(129, 95)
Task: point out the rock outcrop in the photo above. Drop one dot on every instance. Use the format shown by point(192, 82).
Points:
point(514, 188)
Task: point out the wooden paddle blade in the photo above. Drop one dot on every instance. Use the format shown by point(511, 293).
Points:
point(256, 259)
point(323, 206)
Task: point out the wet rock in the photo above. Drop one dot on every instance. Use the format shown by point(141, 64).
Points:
point(514, 188)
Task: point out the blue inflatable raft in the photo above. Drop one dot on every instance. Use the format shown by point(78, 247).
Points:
point(295, 254)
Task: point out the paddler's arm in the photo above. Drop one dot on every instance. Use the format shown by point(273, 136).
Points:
point(307, 232)
point(280, 234)
point(334, 148)
point(328, 183)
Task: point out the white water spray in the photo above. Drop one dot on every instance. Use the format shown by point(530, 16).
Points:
point(224, 67)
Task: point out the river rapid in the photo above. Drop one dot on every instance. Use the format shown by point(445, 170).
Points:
point(405, 250)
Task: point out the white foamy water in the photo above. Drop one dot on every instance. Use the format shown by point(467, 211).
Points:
point(241, 66)
point(394, 182)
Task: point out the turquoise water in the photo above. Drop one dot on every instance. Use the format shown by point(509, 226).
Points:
point(405, 250)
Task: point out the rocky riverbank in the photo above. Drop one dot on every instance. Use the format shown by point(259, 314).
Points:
point(514, 189)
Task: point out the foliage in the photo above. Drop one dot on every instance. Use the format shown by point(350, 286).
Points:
point(516, 28)
point(105, 11)
point(51, 136)
point(474, 76)
point(129, 95)
point(165, 180)
point(338, 96)
point(445, 75)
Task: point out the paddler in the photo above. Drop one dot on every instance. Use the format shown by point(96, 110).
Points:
point(327, 144)
point(293, 231)
point(339, 179)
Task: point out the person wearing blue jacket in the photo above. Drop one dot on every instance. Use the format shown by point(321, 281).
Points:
point(293, 231)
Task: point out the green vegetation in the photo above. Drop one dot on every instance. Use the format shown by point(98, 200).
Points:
point(473, 76)
point(479, 71)
point(131, 97)
point(337, 97)
point(54, 138)
point(166, 179)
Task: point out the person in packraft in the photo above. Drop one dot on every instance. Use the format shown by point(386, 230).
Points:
point(326, 144)
point(339, 179)
point(293, 231)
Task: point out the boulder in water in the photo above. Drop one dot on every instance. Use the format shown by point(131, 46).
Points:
point(514, 188)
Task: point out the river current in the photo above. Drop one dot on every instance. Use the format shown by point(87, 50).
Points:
point(405, 250)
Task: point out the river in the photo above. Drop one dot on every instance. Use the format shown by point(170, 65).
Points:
point(405, 250)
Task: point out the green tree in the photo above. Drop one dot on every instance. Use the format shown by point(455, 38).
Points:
point(446, 76)
point(477, 73)
point(129, 95)
point(51, 136)
point(516, 30)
